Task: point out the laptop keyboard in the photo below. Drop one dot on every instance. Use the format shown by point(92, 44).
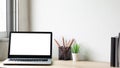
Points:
point(27, 60)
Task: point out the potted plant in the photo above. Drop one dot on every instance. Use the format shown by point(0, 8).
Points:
point(75, 50)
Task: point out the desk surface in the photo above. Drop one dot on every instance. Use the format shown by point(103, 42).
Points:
point(64, 64)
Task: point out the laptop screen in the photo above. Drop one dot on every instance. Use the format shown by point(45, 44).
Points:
point(30, 43)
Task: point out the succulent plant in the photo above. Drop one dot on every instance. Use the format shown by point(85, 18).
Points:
point(75, 48)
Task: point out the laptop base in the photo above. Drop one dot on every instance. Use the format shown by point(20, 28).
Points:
point(8, 62)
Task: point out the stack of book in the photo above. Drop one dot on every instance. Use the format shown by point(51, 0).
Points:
point(115, 47)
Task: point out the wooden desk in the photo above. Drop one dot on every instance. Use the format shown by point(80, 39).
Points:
point(64, 64)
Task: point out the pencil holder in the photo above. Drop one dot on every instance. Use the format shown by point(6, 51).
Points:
point(64, 53)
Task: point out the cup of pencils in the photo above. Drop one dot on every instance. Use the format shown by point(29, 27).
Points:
point(64, 49)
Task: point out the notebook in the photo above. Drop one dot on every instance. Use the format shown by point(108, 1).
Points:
point(29, 48)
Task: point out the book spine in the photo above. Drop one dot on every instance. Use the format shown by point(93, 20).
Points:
point(113, 48)
point(117, 52)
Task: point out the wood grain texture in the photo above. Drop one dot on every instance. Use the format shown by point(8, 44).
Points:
point(64, 64)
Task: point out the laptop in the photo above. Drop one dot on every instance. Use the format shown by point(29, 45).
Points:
point(29, 48)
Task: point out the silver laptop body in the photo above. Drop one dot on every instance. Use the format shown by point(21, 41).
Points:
point(29, 48)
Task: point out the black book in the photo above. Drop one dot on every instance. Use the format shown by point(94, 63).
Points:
point(114, 62)
point(117, 52)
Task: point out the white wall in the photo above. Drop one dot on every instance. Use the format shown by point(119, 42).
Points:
point(90, 22)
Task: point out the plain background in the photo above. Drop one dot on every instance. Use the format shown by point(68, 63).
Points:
point(90, 22)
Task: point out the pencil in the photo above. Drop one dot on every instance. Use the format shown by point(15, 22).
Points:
point(57, 43)
point(71, 43)
point(68, 43)
point(63, 41)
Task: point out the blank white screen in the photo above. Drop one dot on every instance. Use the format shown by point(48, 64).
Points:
point(30, 44)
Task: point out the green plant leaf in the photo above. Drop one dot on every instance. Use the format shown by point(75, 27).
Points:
point(75, 48)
